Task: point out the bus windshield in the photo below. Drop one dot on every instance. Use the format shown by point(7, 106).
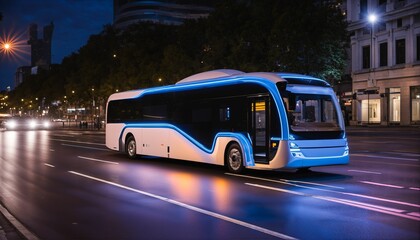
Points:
point(312, 112)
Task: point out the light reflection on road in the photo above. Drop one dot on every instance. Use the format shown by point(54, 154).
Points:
point(190, 188)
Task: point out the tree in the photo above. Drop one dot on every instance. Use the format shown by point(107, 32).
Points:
point(302, 36)
point(310, 41)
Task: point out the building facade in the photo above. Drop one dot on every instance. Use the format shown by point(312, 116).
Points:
point(127, 12)
point(40, 47)
point(40, 53)
point(385, 61)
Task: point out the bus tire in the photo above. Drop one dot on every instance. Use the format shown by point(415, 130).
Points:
point(130, 147)
point(234, 158)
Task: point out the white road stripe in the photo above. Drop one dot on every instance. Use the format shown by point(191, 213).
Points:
point(72, 141)
point(381, 184)
point(387, 163)
point(415, 188)
point(415, 214)
point(49, 165)
point(79, 146)
point(405, 154)
point(328, 190)
point(360, 171)
point(376, 208)
point(311, 183)
point(384, 157)
point(187, 206)
point(97, 160)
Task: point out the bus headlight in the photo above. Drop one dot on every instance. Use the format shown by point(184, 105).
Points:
point(293, 145)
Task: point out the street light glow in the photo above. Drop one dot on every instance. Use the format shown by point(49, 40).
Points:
point(372, 18)
point(13, 46)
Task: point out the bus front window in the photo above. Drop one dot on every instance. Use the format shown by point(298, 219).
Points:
point(311, 112)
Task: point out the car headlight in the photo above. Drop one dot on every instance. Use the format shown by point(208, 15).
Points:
point(32, 124)
point(11, 124)
point(46, 124)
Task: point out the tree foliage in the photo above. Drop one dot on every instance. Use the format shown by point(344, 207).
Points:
point(303, 36)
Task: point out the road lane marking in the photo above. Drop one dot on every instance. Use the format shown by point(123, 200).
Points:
point(361, 171)
point(376, 208)
point(386, 163)
point(78, 146)
point(97, 160)
point(415, 188)
point(49, 165)
point(382, 184)
point(311, 183)
point(405, 154)
point(190, 207)
point(416, 214)
point(328, 190)
point(384, 157)
point(72, 141)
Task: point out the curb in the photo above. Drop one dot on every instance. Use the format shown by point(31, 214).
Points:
point(12, 229)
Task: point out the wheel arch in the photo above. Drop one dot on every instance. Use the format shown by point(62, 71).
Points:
point(123, 140)
point(246, 148)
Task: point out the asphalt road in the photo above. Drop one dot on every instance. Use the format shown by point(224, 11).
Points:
point(65, 184)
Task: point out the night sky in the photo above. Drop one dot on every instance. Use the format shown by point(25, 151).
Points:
point(74, 21)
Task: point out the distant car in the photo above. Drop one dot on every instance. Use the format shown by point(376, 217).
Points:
point(26, 123)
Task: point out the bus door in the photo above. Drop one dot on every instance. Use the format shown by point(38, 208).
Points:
point(258, 127)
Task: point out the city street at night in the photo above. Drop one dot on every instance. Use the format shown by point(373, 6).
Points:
point(210, 120)
point(65, 184)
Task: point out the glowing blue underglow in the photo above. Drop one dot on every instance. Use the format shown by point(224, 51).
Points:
point(244, 141)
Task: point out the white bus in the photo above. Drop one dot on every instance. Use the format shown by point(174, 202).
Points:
point(227, 117)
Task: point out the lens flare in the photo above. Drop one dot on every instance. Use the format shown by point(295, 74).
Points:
point(13, 46)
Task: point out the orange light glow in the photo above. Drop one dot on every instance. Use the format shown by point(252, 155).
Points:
point(13, 46)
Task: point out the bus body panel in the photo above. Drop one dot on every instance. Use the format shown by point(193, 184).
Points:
point(170, 142)
point(280, 160)
point(311, 153)
point(153, 142)
point(162, 136)
point(112, 136)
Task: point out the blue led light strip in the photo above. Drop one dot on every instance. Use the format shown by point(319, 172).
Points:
point(243, 140)
point(269, 85)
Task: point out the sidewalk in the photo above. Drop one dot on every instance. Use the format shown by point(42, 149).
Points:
point(7, 230)
point(12, 229)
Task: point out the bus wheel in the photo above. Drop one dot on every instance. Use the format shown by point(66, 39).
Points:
point(234, 159)
point(130, 147)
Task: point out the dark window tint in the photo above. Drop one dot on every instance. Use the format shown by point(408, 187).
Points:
point(383, 54)
point(366, 57)
point(400, 51)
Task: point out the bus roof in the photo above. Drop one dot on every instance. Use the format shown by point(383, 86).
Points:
point(210, 75)
point(226, 74)
point(293, 78)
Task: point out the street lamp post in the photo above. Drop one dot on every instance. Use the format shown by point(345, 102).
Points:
point(372, 18)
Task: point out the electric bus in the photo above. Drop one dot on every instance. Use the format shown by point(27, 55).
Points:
point(228, 117)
